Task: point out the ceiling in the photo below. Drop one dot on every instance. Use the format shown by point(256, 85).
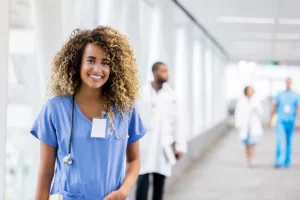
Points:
point(252, 30)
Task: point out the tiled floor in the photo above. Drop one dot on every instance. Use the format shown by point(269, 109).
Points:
point(223, 174)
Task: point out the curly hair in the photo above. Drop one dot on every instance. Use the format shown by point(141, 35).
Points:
point(121, 89)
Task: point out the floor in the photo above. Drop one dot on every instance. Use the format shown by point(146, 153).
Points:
point(224, 175)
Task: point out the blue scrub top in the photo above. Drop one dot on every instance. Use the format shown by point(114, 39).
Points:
point(98, 163)
point(286, 105)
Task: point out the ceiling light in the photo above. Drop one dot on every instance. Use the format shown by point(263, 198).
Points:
point(254, 35)
point(289, 21)
point(287, 36)
point(246, 20)
point(252, 65)
point(267, 36)
point(242, 64)
point(247, 67)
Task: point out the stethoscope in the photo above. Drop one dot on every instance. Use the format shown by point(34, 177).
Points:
point(67, 159)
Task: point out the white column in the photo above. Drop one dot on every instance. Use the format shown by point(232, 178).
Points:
point(130, 10)
point(167, 45)
point(4, 30)
point(181, 85)
point(208, 85)
point(166, 26)
point(197, 76)
point(154, 41)
point(69, 18)
point(214, 84)
point(189, 66)
point(86, 12)
point(48, 29)
point(145, 15)
point(48, 33)
point(78, 14)
point(105, 9)
point(112, 13)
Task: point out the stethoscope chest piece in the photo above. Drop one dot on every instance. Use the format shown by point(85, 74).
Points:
point(122, 137)
point(68, 160)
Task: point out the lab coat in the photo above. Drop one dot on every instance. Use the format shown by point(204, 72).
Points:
point(247, 117)
point(160, 114)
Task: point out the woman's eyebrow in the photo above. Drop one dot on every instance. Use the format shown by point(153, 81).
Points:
point(92, 57)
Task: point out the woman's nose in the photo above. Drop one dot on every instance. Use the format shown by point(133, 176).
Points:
point(97, 67)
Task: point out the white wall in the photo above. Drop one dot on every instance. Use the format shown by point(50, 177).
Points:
point(4, 28)
point(266, 80)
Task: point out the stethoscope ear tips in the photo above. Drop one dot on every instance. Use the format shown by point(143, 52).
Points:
point(68, 160)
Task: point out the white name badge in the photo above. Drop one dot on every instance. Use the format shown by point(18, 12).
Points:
point(287, 108)
point(99, 128)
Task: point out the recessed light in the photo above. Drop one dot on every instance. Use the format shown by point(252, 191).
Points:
point(242, 64)
point(252, 65)
point(254, 35)
point(246, 20)
point(289, 21)
point(288, 36)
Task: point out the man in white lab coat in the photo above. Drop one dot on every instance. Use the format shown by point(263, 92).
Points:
point(165, 141)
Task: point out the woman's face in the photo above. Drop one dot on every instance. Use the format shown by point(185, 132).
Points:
point(95, 68)
point(250, 91)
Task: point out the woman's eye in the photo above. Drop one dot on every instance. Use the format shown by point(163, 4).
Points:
point(90, 61)
point(105, 63)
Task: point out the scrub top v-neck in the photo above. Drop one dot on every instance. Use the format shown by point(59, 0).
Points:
point(98, 166)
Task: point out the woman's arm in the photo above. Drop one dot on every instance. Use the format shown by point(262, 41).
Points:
point(133, 162)
point(46, 171)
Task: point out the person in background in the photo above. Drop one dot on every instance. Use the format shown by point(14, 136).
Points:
point(165, 141)
point(90, 128)
point(248, 122)
point(286, 106)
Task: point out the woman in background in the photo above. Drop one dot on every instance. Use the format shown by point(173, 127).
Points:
point(248, 122)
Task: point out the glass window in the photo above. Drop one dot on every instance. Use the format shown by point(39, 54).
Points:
point(182, 77)
point(197, 86)
point(208, 87)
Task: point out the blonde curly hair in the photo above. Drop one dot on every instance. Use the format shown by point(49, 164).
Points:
point(123, 84)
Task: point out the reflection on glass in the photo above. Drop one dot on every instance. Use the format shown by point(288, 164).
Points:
point(21, 162)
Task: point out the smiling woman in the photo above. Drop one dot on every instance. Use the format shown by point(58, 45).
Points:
point(114, 51)
point(95, 68)
point(90, 125)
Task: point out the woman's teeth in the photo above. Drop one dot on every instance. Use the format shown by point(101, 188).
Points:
point(96, 77)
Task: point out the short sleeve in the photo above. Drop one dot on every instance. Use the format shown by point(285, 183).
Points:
point(276, 99)
point(298, 100)
point(136, 127)
point(43, 128)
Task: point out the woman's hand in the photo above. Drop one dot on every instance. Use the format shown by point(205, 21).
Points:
point(116, 195)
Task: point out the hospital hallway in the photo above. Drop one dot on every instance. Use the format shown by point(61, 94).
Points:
point(223, 174)
point(171, 88)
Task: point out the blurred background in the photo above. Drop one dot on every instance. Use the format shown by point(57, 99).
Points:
point(213, 49)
